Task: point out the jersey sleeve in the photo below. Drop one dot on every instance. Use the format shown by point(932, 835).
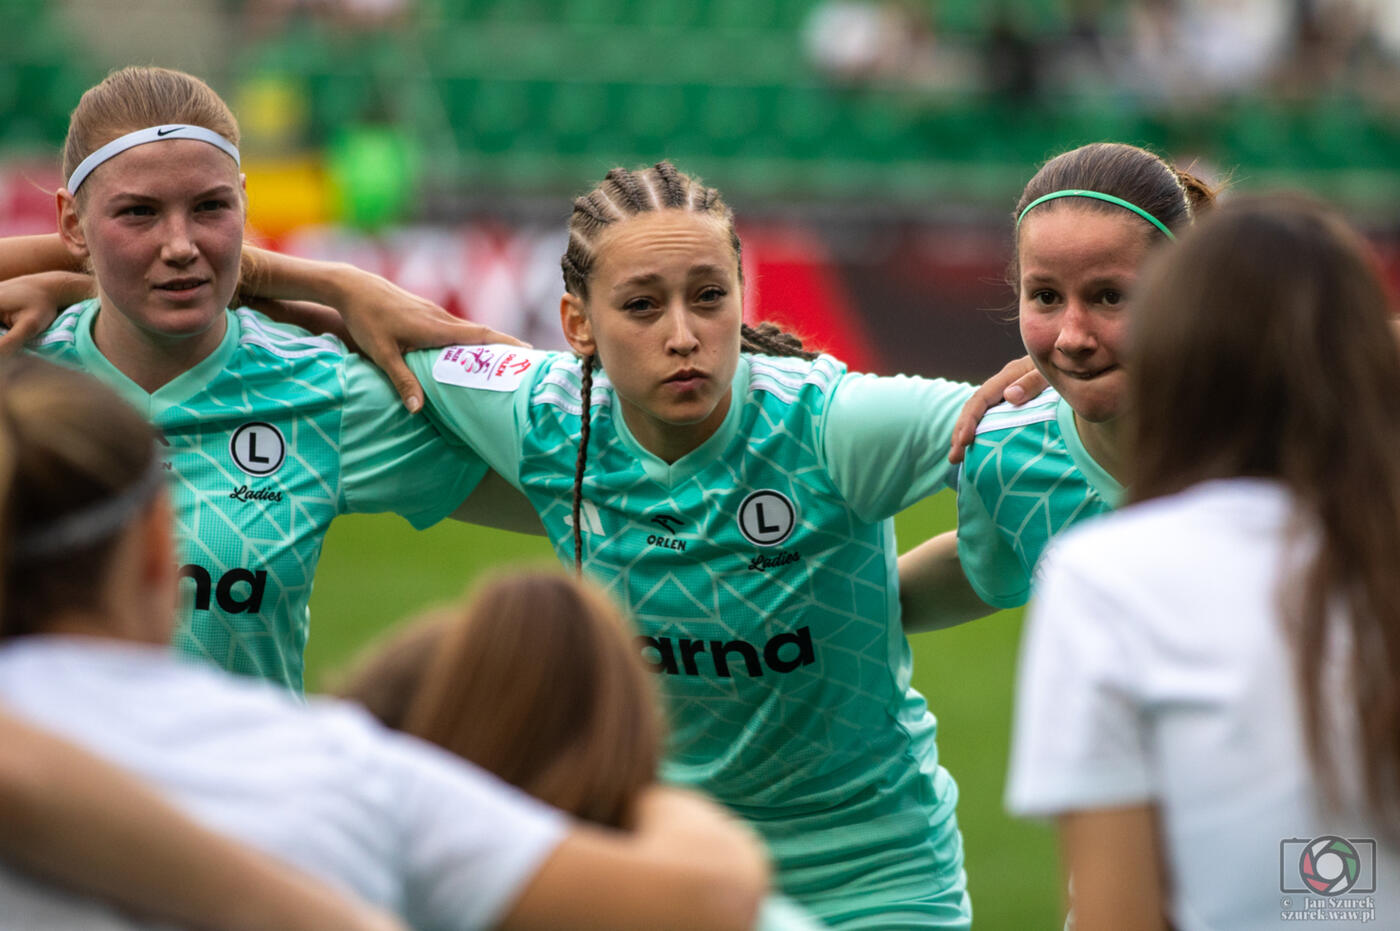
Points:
point(470, 842)
point(393, 461)
point(480, 395)
point(991, 565)
point(885, 440)
point(1078, 739)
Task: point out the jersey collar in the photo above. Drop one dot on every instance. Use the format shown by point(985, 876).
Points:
point(1106, 485)
point(172, 393)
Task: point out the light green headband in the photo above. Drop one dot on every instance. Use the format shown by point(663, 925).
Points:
point(1097, 195)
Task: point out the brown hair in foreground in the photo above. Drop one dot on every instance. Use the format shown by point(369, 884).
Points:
point(1265, 348)
point(67, 444)
point(534, 679)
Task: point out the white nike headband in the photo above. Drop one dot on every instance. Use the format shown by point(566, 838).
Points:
point(142, 136)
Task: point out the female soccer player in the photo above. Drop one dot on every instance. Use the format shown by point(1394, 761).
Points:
point(536, 680)
point(269, 432)
point(1213, 668)
point(87, 604)
point(737, 505)
point(1085, 223)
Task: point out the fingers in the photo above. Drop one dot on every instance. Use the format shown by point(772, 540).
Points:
point(410, 391)
point(26, 327)
point(1026, 387)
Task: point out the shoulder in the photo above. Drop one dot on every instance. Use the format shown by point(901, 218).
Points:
point(788, 377)
point(63, 332)
point(1005, 416)
point(263, 337)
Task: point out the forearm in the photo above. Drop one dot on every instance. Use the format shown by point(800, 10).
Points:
point(688, 867)
point(933, 589)
point(76, 820)
point(275, 275)
point(28, 255)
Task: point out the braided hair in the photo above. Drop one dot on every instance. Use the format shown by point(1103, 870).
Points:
point(625, 193)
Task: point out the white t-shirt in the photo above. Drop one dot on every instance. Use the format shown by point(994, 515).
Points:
point(1155, 669)
point(402, 824)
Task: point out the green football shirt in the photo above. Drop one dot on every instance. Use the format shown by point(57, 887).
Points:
point(266, 441)
point(760, 570)
point(1026, 478)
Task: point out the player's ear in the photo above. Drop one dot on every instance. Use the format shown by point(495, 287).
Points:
point(578, 328)
point(70, 227)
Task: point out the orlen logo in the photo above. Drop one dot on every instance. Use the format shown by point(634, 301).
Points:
point(681, 656)
point(238, 591)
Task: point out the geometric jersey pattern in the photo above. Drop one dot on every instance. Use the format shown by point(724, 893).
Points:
point(329, 436)
point(784, 667)
point(1025, 479)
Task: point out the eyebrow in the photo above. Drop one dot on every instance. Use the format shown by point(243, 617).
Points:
point(696, 271)
point(222, 190)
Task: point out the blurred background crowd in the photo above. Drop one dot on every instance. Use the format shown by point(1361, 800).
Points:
point(872, 148)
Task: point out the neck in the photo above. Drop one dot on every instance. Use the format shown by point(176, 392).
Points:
point(152, 360)
point(1103, 441)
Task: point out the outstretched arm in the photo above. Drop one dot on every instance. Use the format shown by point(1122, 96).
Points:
point(76, 820)
point(383, 319)
point(1017, 382)
point(687, 866)
point(933, 590)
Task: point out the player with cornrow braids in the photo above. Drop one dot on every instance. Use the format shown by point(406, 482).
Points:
point(734, 493)
point(668, 188)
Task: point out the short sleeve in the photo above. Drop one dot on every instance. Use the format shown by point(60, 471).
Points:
point(991, 565)
point(1079, 737)
point(470, 843)
point(391, 460)
point(480, 395)
point(886, 439)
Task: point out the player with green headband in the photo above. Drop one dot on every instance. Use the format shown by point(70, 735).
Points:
point(1084, 224)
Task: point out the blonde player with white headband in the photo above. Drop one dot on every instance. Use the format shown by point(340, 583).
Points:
point(270, 432)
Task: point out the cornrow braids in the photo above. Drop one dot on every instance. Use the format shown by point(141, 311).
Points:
point(586, 390)
point(624, 193)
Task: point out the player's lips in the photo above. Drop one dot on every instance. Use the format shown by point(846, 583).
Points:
point(181, 287)
point(1086, 374)
point(686, 379)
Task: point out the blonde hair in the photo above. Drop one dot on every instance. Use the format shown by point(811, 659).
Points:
point(536, 680)
point(136, 98)
point(67, 443)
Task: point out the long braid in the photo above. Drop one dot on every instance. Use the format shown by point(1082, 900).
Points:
point(586, 390)
point(771, 340)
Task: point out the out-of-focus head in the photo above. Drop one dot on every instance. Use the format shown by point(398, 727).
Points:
point(79, 482)
point(535, 679)
point(1085, 223)
point(160, 222)
point(1263, 347)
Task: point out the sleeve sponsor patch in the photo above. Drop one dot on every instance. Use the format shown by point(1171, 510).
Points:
point(494, 367)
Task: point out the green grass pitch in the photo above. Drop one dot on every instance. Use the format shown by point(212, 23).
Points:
point(377, 570)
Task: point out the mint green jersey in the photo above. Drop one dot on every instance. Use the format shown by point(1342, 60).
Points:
point(1026, 478)
point(266, 441)
point(760, 570)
